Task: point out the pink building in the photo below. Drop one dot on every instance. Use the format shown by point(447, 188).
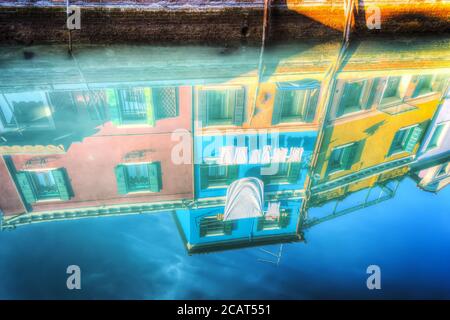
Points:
point(125, 163)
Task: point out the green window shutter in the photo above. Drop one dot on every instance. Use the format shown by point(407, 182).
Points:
point(294, 171)
point(232, 173)
point(438, 84)
point(202, 108)
point(372, 95)
point(204, 177)
point(203, 228)
point(277, 107)
point(312, 105)
point(355, 153)
point(340, 106)
point(228, 227)
point(378, 86)
point(260, 224)
point(165, 102)
point(61, 182)
point(285, 218)
point(149, 102)
point(154, 172)
point(239, 108)
point(416, 82)
point(348, 156)
point(121, 179)
point(413, 138)
point(114, 113)
point(25, 187)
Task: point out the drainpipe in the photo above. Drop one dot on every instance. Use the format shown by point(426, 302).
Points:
point(70, 31)
point(267, 4)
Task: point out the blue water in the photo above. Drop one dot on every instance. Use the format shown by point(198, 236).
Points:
point(143, 257)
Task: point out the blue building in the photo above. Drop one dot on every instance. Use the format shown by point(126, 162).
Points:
point(268, 156)
point(279, 159)
point(203, 229)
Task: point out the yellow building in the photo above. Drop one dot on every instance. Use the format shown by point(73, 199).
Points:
point(377, 112)
point(373, 121)
point(280, 95)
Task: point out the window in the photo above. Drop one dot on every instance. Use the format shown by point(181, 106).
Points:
point(392, 92)
point(405, 140)
point(29, 110)
point(138, 177)
point(133, 107)
point(95, 102)
point(353, 98)
point(343, 157)
point(295, 105)
point(395, 91)
point(423, 85)
point(436, 138)
point(142, 105)
point(281, 222)
point(218, 109)
point(213, 175)
point(426, 84)
point(442, 171)
point(130, 106)
point(287, 172)
point(222, 107)
point(43, 185)
point(215, 226)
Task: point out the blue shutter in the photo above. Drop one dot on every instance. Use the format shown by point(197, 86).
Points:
point(232, 173)
point(294, 171)
point(121, 179)
point(204, 169)
point(25, 187)
point(285, 218)
point(228, 227)
point(61, 183)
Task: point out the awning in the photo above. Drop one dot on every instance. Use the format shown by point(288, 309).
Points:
point(244, 199)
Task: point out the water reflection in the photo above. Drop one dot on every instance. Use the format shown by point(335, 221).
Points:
point(128, 130)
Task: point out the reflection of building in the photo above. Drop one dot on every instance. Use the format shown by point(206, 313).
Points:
point(431, 168)
point(433, 178)
point(204, 229)
point(374, 127)
point(245, 128)
point(104, 145)
point(124, 167)
point(38, 121)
